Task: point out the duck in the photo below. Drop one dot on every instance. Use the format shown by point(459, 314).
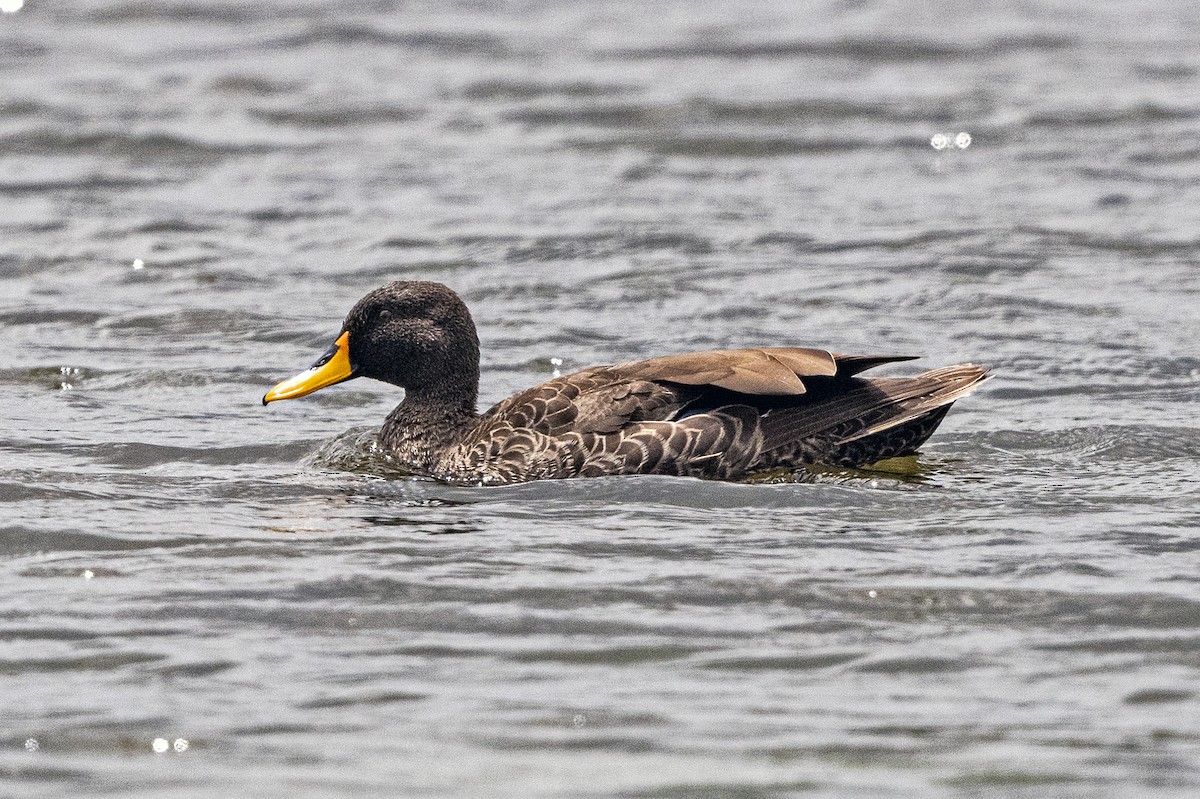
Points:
point(718, 414)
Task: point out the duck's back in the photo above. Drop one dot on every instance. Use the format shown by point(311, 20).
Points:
point(715, 414)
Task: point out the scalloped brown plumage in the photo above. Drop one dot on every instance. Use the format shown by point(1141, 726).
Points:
point(718, 414)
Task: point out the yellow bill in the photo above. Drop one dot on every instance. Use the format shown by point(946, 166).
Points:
point(333, 367)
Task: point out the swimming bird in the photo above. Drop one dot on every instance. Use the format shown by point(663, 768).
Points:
point(720, 414)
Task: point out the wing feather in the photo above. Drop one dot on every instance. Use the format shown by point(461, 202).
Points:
point(773, 371)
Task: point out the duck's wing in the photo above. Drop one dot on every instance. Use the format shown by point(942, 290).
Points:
point(768, 371)
point(719, 413)
point(608, 398)
point(775, 371)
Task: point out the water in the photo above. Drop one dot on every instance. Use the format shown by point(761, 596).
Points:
point(191, 197)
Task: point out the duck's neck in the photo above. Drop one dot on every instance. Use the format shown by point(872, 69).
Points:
point(427, 424)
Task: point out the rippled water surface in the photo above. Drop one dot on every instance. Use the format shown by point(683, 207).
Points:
point(193, 194)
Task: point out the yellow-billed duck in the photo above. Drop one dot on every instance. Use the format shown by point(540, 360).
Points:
point(717, 414)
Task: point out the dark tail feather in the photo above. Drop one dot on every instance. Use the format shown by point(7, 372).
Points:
point(880, 415)
point(893, 442)
point(914, 397)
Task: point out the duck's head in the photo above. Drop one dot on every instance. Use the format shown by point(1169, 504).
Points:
point(414, 334)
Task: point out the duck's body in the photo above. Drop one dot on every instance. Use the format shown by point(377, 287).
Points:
point(718, 414)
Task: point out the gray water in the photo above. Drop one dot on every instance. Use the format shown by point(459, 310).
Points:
point(192, 194)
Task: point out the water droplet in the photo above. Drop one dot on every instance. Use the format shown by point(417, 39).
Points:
point(32, 745)
point(181, 744)
point(88, 574)
point(963, 140)
point(872, 593)
point(160, 745)
point(12, 7)
point(138, 263)
point(940, 141)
